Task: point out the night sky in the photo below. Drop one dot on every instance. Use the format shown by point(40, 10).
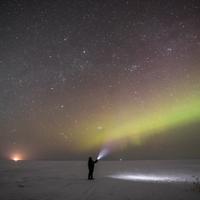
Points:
point(76, 76)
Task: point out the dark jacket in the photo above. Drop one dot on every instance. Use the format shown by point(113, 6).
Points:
point(91, 163)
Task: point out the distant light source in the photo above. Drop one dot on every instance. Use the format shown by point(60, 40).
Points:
point(16, 158)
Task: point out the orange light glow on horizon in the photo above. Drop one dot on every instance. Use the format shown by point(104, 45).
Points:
point(16, 158)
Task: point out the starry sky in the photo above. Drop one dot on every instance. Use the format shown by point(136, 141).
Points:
point(76, 76)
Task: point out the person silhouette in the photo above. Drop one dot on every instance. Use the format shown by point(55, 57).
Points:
point(91, 164)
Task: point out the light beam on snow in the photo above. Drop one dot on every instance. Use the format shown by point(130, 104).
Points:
point(149, 178)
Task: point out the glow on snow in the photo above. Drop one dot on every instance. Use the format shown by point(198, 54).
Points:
point(148, 178)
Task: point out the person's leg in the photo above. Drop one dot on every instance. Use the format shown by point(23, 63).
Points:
point(92, 174)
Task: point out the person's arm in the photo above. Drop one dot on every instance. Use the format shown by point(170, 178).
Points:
point(96, 161)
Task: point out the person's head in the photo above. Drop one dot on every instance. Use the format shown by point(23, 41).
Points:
point(90, 158)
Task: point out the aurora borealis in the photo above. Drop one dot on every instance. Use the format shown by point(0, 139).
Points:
point(137, 129)
point(76, 76)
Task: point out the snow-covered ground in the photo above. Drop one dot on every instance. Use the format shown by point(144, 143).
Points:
point(63, 180)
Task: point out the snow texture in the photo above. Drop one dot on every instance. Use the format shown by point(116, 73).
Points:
point(64, 180)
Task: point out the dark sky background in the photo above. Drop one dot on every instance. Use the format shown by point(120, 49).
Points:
point(75, 75)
